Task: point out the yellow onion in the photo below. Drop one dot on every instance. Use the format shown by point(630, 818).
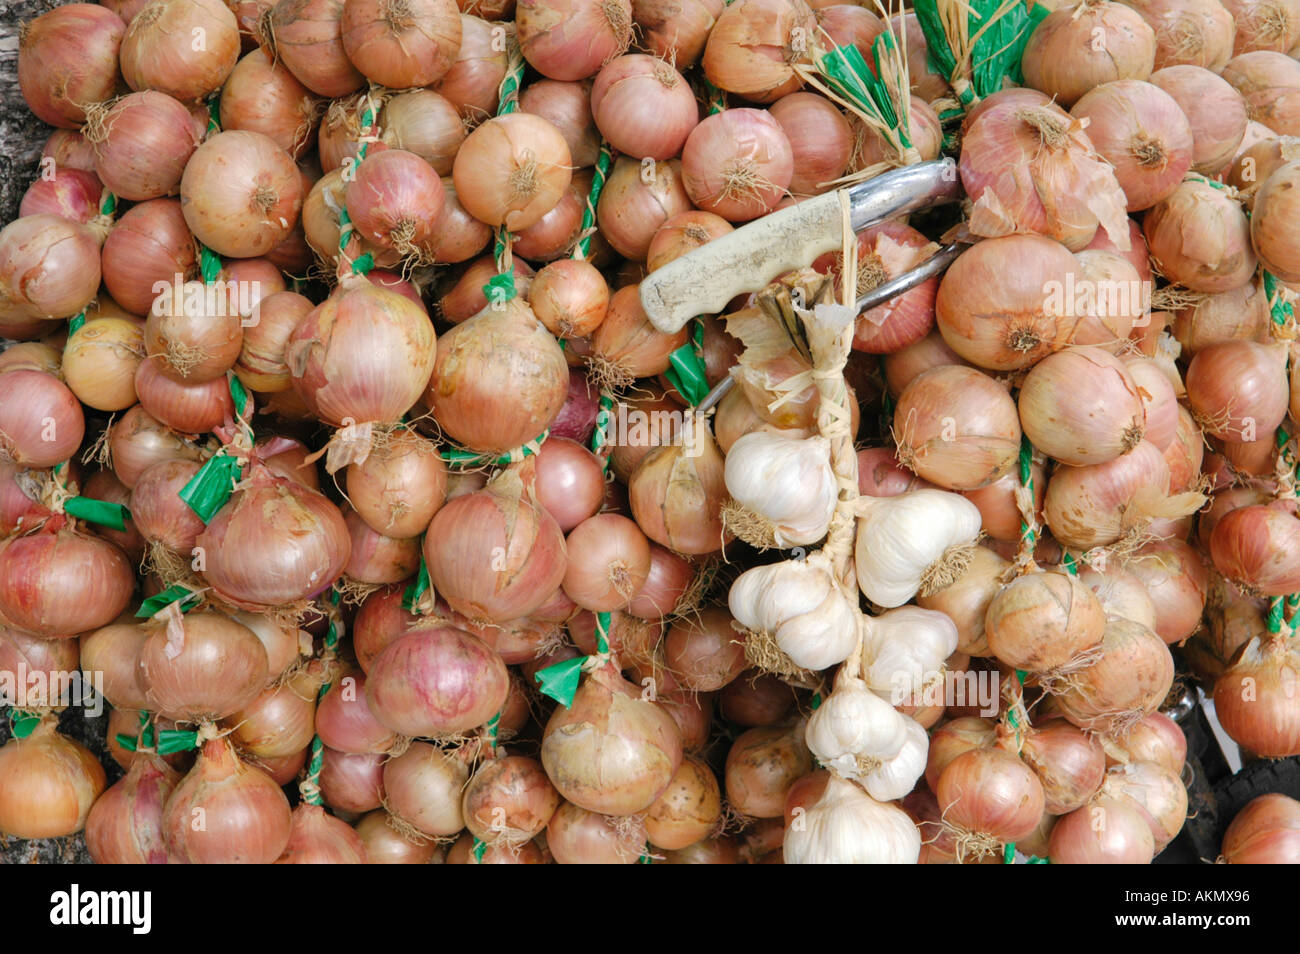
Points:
point(957, 428)
point(113, 651)
point(688, 810)
point(204, 668)
point(261, 364)
point(612, 751)
point(60, 582)
point(1199, 237)
point(988, 797)
point(137, 441)
point(1157, 794)
point(51, 783)
point(184, 48)
point(67, 60)
point(281, 720)
point(1128, 682)
point(1215, 112)
point(193, 333)
point(41, 422)
point(1272, 226)
point(385, 845)
point(352, 783)
point(966, 600)
point(1081, 406)
point(1177, 581)
point(1069, 763)
point(1257, 699)
point(246, 817)
point(125, 826)
point(423, 788)
point(1158, 739)
point(316, 838)
point(762, 765)
point(512, 170)
point(472, 83)
point(1105, 831)
point(401, 43)
point(1042, 621)
point(753, 46)
point(100, 361)
point(41, 665)
point(509, 800)
point(1238, 390)
point(578, 836)
point(676, 495)
point(1194, 32)
point(634, 205)
point(1079, 47)
point(1264, 24)
point(306, 36)
point(49, 269)
point(261, 95)
point(1265, 832)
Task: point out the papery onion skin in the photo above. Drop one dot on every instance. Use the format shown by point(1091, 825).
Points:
point(41, 421)
point(1079, 47)
point(51, 784)
point(401, 44)
point(633, 205)
point(1215, 111)
point(1070, 764)
point(83, 41)
point(1238, 390)
point(1039, 622)
point(247, 815)
point(1199, 237)
point(578, 836)
point(1105, 831)
point(509, 800)
point(317, 838)
point(737, 163)
point(184, 684)
point(386, 846)
point(308, 39)
point(184, 48)
point(437, 681)
point(263, 96)
point(137, 441)
point(352, 783)
point(149, 243)
point(125, 824)
point(40, 573)
point(1273, 221)
point(751, 48)
point(1195, 32)
point(1266, 831)
point(512, 170)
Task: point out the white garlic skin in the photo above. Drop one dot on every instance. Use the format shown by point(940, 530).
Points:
point(787, 480)
point(899, 538)
point(906, 647)
point(846, 826)
point(854, 722)
point(897, 776)
point(798, 603)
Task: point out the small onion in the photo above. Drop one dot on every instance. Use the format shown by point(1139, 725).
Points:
point(179, 671)
point(1105, 831)
point(1079, 47)
point(401, 43)
point(1194, 32)
point(318, 838)
point(125, 824)
point(688, 810)
point(1176, 579)
point(567, 105)
point(41, 422)
point(261, 364)
point(571, 40)
point(68, 60)
point(263, 96)
point(762, 765)
point(184, 48)
point(1238, 390)
point(143, 143)
point(352, 783)
point(989, 797)
point(51, 784)
point(57, 583)
point(193, 333)
point(509, 800)
point(187, 408)
point(71, 194)
point(570, 297)
point(472, 83)
point(675, 31)
point(1128, 682)
point(676, 496)
point(1043, 621)
point(423, 789)
point(738, 163)
point(1082, 406)
point(1266, 831)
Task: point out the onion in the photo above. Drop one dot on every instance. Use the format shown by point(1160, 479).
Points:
point(193, 332)
point(509, 800)
point(397, 489)
point(70, 150)
point(988, 797)
point(472, 83)
point(361, 319)
point(1177, 582)
point(1040, 622)
point(1082, 406)
point(1079, 47)
point(851, 25)
point(467, 296)
point(577, 836)
point(436, 681)
point(70, 194)
point(280, 640)
point(756, 699)
point(957, 428)
point(275, 542)
point(158, 511)
point(459, 236)
point(902, 366)
point(512, 170)
point(1215, 111)
point(380, 620)
point(401, 43)
point(184, 48)
point(991, 307)
point(1253, 547)
point(688, 810)
point(67, 61)
point(41, 423)
point(569, 297)
point(281, 720)
point(352, 783)
point(241, 193)
point(1155, 792)
point(676, 495)
point(423, 790)
point(966, 600)
point(125, 824)
point(263, 96)
point(137, 441)
point(306, 36)
point(570, 40)
point(1034, 169)
point(188, 408)
point(1238, 390)
point(30, 659)
point(872, 151)
point(1266, 831)
point(41, 573)
point(495, 555)
point(567, 106)
point(261, 364)
point(702, 652)
point(31, 356)
point(611, 750)
point(683, 233)
point(752, 48)
point(377, 558)
point(345, 723)
point(1158, 400)
point(739, 162)
point(569, 484)
point(1194, 32)
point(1270, 83)
point(1140, 130)
point(675, 31)
point(637, 201)
point(643, 107)
point(1105, 831)
point(49, 268)
point(395, 200)
point(498, 352)
point(320, 222)
point(666, 586)
point(953, 738)
point(1264, 24)
point(1158, 739)
point(148, 245)
point(1270, 226)
point(1069, 764)
point(51, 783)
point(424, 123)
point(318, 838)
point(1128, 682)
point(626, 345)
point(386, 846)
point(556, 232)
point(1200, 238)
point(179, 672)
point(762, 765)
point(246, 816)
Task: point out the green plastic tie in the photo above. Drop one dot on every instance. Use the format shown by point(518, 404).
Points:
point(238, 395)
point(309, 788)
point(176, 593)
point(108, 205)
point(460, 457)
point(587, 229)
point(560, 681)
point(97, 511)
point(816, 701)
point(23, 723)
point(480, 849)
point(686, 370)
point(645, 858)
point(1071, 565)
point(214, 113)
point(600, 436)
point(75, 322)
point(209, 264)
point(1275, 608)
point(1009, 853)
point(847, 72)
point(500, 288)
point(1280, 309)
point(415, 592)
point(209, 489)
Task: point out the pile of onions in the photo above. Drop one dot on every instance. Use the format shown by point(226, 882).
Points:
point(1070, 190)
point(51, 783)
point(364, 354)
point(499, 351)
point(246, 815)
point(572, 40)
point(401, 43)
point(68, 60)
point(752, 48)
point(1142, 131)
point(991, 307)
point(1079, 47)
point(184, 48)
point(275, 542)
point(957, 428)
point(739, 162)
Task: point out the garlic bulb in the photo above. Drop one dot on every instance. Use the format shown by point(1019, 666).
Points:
point(905, 650)
point(799, 605)
point(853, 731)
point(897, 776)
point(846, 826)
point(784, 481)
point(917, 542)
